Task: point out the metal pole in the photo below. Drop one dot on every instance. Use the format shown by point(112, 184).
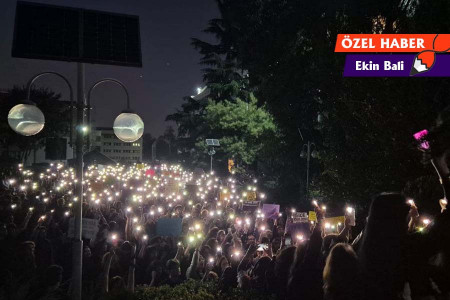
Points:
point(211, 163)
point(308, 157)
point(77, 260)
point(89, 107)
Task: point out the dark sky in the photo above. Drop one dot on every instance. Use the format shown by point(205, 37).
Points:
point(170, 64)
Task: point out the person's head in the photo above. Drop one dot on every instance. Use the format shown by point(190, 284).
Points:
point(116, 285)
point(223, 264)
point(263, 265)
point(204, 214)
point(150, 254)
point(196, 209)
point(280, 229)
point(276, 244)
point(299, 255)
point(53, 276)
point(250, 239)
point(212, 243)
point(213, 232)
point(329, 241)
point(212, 276)
point(220, 236)
point(265, 240)
point(87, 252)
point(157, 266)
point(282, 264)
point(383, 243)
point(113, 226)
point(178, 210)
point(26, 250)
point(173, 268)
point(206, 251)
point(341, 275)
point(41, 233)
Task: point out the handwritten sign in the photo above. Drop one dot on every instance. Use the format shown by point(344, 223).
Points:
point(250, 206)
point(224, 196)
point(334, 224)
point(300, 217)
point(251, 196)
point(271, 211)
point(90, 228)
point(312, 216)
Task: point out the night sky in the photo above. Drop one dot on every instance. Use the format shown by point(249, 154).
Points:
point(170, 69)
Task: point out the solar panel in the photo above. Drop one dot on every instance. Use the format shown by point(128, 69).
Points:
point(212, 142)
point(72, 34)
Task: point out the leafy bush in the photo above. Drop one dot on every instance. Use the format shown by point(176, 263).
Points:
point(190, 290)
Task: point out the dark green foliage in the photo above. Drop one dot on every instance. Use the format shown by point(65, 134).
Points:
point(364, 136)
point(190, 290)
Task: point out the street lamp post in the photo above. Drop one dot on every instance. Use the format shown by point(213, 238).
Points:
point(27, 119)
point(211, 152)
point(307, 153)
point(78, 242)
point(211, 143)
point(128, 126)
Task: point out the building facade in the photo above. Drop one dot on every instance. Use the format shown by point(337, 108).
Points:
point(105, 141)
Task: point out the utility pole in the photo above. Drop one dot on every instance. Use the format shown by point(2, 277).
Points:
point(77, 258)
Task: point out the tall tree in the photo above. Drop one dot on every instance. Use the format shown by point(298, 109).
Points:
point(364, 130)
point(244, 129)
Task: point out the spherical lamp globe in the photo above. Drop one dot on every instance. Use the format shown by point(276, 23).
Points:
point(26, 119)
point(128, 127)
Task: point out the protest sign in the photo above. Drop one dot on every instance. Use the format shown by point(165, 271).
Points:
point(169, 227)
point(312, 216)
point(224, 195)
point(300, 217)
point(251, 196)
point(334, 224)
point(90, 228)
point(250, 206)
point(335, 220)
point(150, 173)
point(173, 187)
point(271, 211)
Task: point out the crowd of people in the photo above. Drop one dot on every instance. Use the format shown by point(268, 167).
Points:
point(398, 255)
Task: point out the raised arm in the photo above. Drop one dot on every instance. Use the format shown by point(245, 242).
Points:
point(25, 222)
point(130, 281)
point(247, 257)
point(193, 267)
point(106, 268)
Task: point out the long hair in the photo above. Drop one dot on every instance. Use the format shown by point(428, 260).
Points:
point(382, 250)
point(342, 274)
